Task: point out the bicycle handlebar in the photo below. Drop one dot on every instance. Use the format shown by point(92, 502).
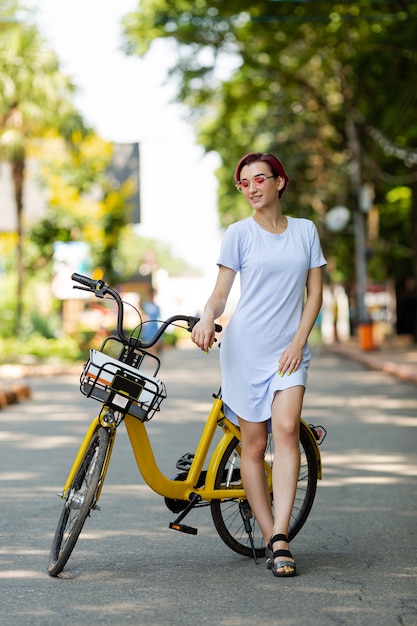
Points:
point(85, 280)
point(100, 289)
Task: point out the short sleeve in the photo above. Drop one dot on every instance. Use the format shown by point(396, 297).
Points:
point(316, 255)
point(230, 253)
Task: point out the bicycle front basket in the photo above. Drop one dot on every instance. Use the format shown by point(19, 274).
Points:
point(121, 387)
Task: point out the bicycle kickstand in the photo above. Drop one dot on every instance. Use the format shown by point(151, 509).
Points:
point(246, 514)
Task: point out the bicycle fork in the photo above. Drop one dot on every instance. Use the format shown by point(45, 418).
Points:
point(96, 423)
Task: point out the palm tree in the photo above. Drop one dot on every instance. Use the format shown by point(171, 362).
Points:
point(35, 97)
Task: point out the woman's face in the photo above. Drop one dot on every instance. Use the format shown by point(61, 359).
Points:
point(259, 186)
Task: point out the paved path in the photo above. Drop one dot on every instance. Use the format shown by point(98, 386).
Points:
point(356, 554)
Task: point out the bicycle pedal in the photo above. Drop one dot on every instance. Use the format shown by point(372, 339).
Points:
point(182, 528)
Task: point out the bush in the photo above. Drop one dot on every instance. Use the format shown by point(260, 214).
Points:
point(171, 339)
point(65, 348)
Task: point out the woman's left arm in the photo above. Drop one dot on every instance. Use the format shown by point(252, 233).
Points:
point(290, 359)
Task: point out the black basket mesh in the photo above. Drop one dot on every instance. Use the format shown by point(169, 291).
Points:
point(121, 387)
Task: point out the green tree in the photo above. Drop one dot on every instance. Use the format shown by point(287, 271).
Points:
point(327, 85)
point(35, 96)
point(83, 206)
point(74, 174)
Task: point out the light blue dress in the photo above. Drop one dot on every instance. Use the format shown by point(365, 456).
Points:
point(273, 273)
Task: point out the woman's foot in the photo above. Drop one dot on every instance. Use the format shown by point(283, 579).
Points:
point(276, 549)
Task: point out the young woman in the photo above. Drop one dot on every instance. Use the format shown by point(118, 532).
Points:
point(264, 354)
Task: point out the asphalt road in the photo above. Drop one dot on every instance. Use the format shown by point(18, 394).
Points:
point(356, 554)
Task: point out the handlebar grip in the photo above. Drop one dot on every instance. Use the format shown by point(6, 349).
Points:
point(86, 281)
point(192, 321)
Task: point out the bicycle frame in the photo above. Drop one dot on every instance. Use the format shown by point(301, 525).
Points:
point(167, 487)
point(183, 489)
point(149, 469)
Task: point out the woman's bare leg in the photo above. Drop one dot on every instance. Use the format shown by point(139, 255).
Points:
point(286, 412)
point(254, 440)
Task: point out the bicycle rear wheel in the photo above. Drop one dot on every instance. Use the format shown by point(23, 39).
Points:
point(227, 514)
point(80, 500)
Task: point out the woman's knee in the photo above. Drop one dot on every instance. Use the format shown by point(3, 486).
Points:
point(286, 425)
point(286, 428)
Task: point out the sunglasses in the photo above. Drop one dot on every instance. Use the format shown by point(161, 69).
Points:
point(258, 181)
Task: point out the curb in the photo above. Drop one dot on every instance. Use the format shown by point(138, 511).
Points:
point(13, 389)
point(402, 372)
point(16, 393)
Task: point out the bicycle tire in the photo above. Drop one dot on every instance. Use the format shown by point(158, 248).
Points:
point(80, 500)
point(226, 514)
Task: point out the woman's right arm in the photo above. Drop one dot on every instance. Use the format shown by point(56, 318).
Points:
point(203, 331)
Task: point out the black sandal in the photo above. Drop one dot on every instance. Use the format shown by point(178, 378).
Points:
point(271, 556)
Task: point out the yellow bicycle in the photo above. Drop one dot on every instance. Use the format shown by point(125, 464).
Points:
point(123, 377)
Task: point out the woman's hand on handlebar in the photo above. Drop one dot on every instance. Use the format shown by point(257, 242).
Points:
point(203, 334)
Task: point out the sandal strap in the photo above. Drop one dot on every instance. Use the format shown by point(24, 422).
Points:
point(278, 553)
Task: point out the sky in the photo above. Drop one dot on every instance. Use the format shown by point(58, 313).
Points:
point(127, 99)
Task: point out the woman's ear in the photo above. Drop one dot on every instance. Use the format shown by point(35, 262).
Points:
point(280, 183)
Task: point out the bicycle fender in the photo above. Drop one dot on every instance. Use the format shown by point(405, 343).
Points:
point(315, 447)
point(216, 458)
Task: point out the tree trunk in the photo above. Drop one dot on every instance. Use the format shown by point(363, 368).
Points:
point(414, 246)
point(355, 167)
point(18, 172)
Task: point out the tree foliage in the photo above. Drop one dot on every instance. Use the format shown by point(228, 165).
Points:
point(294, 78)
point(73, 173)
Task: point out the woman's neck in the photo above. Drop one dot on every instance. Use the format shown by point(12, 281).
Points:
point(276, 223)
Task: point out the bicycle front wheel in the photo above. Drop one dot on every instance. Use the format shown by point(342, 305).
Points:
point(231, 517)
point(80, 500)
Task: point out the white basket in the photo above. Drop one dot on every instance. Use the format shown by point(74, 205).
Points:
point(121, 386)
